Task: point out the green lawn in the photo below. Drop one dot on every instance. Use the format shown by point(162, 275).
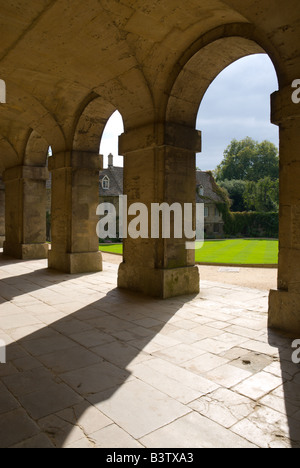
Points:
point(114, 248)
point(234, 252)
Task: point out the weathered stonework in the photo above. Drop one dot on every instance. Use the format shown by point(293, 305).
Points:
point(157, 173)
point(162, 283)
point(74, 202)
point(284, 304)
point(25, 212)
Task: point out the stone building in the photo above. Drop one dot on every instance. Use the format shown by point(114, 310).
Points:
point(111, 184)
point(111, 188)
point(206, 193)
point(67, 68)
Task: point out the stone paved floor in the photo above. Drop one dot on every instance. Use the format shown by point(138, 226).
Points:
point(89, 365)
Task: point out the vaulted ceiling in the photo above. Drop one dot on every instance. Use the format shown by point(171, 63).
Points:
point(55, 54)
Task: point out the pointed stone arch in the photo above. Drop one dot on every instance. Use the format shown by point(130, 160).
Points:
point(25, 201)
point(203, 62)
point(7, 148)
point(199, 66)
point(36, 150)
point(94, 114)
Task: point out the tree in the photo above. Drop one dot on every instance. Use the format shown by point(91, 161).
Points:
point(249, 160)
point(235, 190)
point(262, 196)
point(250, 196)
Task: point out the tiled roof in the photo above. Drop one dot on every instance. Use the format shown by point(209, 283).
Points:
point(115, 175)
point(206, 180)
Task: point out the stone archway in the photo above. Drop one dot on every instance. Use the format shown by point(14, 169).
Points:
point(185, 96)
point(25, 202)
point(199, 71)
point(75, 192)
point(36, 150)
point(160, 160)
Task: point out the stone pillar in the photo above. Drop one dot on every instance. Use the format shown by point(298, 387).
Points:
point(75, 197)
point(2, 213)
point(25, 212)
point(284, 303)
point(159, 166)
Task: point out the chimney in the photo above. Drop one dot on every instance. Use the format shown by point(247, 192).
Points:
point(110, 160)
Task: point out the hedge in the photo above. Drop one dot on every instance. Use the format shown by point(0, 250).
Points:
point(250, 224)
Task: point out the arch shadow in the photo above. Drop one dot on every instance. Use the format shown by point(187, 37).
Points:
point(290, 374)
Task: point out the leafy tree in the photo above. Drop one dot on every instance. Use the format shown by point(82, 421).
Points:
point(249, 160)
point(262, 196)
point(235, 190)
point(250, 196)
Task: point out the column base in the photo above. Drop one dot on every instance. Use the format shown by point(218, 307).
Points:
point(160, 283)
point(75, 263)
point(284, 312)
point(26, 251)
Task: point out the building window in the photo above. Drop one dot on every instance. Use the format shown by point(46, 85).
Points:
point(206, 211)
point(217, 212)
point(105, 183)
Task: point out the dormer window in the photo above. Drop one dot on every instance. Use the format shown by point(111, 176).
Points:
point(105, 183)
point(200, 190)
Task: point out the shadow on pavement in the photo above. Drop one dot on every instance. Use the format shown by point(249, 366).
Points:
point(74, 363)
point(290, 373)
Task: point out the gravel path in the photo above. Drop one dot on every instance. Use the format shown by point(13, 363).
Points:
point(257, 278)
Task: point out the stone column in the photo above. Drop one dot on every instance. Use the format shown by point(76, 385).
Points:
point(75, 197)
point(25, 212)
point(284, 303)
point(2, 213)
point(159, 166)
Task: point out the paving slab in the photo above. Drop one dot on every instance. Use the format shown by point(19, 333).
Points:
point(199, 432)
point(114, 437)
point(138, 408)
point(224, 407)
point(258, 385)
point(15, 427)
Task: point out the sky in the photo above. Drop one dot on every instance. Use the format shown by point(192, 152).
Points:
point(236, 105)
point(110, 139)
